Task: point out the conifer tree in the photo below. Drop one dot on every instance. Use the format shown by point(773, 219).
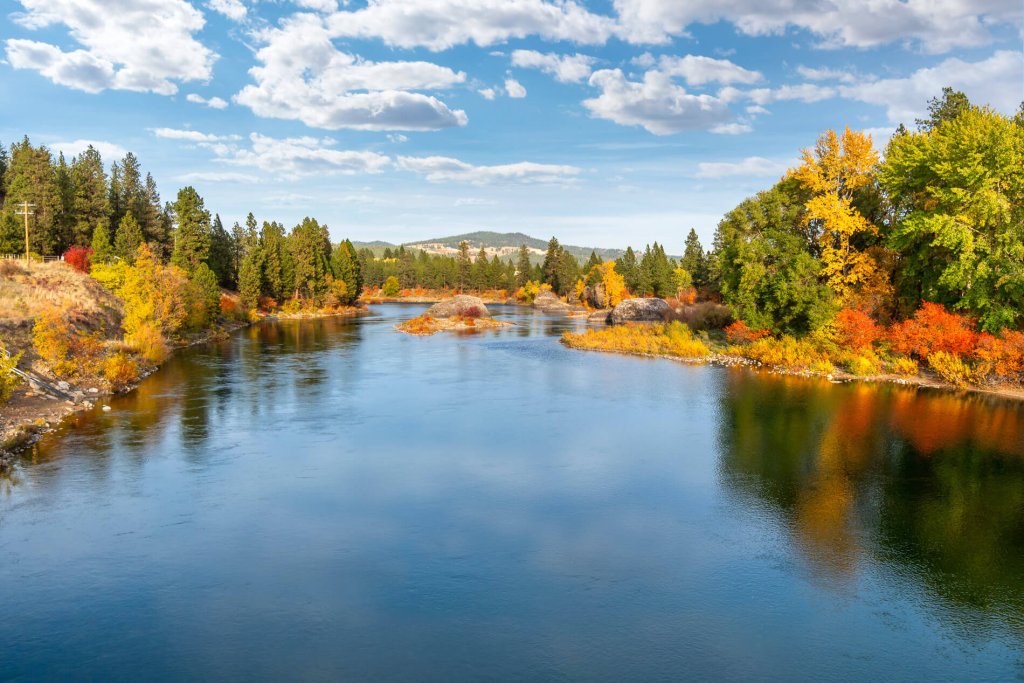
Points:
point(221, 258)
point(192, 231)
point(523, 266)
point(128, 238)
point(102, 249)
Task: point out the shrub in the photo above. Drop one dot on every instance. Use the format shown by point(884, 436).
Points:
point(149, 341)
point(951, 368)
point(856, 330)
point(863, 364)
point(529, 291)
point(8, 380)
point(80, 258)
point(903, 365)
point(65, 350)
point(10, 267)
point(120, 369)
point(110, 275)
point(933, 329)
point(788, 353)
point(706, 315)
point(661, 339)
point(1002, 356)
point(391, 286)
point(739, 333)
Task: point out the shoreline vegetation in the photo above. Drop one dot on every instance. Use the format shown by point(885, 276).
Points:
point(904, 265)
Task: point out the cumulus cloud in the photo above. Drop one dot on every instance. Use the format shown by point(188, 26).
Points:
point(143, 45)
point(732, 129)
point(565, 68)
point(232, 9)
point(107, 150)
point(933, 26)
point(514, 88)
point(656, 103)
point(487, 93)
point(213, 102)
point(217, 177)
point(301, 156)
point(441, 24)
point(302, 76)
point(439, 169)
point(697, 70)
point(750, 166)
point(825, 74)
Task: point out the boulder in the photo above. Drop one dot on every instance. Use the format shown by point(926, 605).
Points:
point(596, 295)
point(460, 305)
point(599, 317)
point(639, 310)
point(548, 301)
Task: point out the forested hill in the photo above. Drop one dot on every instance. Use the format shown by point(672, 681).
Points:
point(510, 241)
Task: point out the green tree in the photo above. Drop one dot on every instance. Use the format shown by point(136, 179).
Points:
point(192, 231)
point(222, 252)
point(946, 107)
point(465, 266)
point(310, 249)
point(90, 204)
point(30, 177)
point(626, 265)
point(346, 266)
point(250, 278)
point(567, 272)
point(128, 238)
point(205, 282)
point(694, 260)
point(523, 266)
point(102, 249)
point(959, 189)
point(550, 265)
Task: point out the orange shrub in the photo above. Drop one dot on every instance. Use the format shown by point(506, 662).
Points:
point(856, 330)
point(740, 333)
point(79, 258)
point(1002, 356)
point(120, 369)
point(149, 341)
point(63, 348)
point(933, 329)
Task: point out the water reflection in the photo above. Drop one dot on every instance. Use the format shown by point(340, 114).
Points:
point(932, 482)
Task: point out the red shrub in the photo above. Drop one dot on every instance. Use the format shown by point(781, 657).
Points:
point(740, 333)
point(1002, 355)
point(80, 258)
point(856, 329)
point(932, 329)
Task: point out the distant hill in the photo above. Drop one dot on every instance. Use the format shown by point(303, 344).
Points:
point(505, 244)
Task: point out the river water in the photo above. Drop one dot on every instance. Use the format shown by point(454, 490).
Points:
point(335, 500)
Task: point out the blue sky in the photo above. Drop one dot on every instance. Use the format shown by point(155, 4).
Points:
point(608, 123)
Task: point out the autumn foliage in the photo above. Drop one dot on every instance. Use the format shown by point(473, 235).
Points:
point(79, 258)
point(740, 333)
point(856, 330)
point(661, 339)
point(933, 329)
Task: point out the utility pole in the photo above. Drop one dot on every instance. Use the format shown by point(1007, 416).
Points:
point(25, 206)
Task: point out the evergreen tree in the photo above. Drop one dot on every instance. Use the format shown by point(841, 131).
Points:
point(550, 265)
point(238, 244)
point(64, 217)
point(133, 191)
point(694, 260)
point(346, 266)
point(115, 204)
point(626, 265)
point(192, 231)
point(946, 107)
point(102, 250)
point(90, 205)
point(250, 279)
point(151, 216)
point(310, 249)
point(523, 266)
point(205, 282)
point(222, 252)
point(30, 177)
point(591, 262)
point(481, 271)
point(128, 238)
point(567, 272)
point(465, 266)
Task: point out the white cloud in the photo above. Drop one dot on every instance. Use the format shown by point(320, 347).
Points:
point(487, 93)
point(565, 68)
point(932, 26)
point(699, 70)
point(232, 9)
point(302, 76)
point(995, 81)
point(825, 74)
point(657, 104)
point(803, 92)
point(514, 88)
point(439, 169)
point(441, 24)
point(217, 177)
point(397, 137)
point(732, 129)
point(646, 60)
point(141, 45)
point(301, 156)
point(213, 102)
point(319, 5)
point(191, 135)
point(474, 201)
point(750, 166)
point(107, 150)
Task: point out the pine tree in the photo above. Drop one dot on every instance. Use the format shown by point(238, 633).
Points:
point(115, 202)
point(627, 266)
point(550, 265)
point(272, 248)
point(250, 279)
point(309, 246)
point(91, 204)
point(222, 252)
point(151, 218)
point(465, 266)
point(694, 260)
point(102, 250)
point(205, 282)
point(128, 238)
point(30, 177)
point(64, 217)
point(192, 232)
point(591, 262)
point(133, 191)
point(523, 266)
point(345, 264)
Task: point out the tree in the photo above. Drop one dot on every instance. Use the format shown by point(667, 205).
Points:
point(959, 188)
point(30, 178)
point(128, 238)
point(550, 265)
point(567, 272)
point(102, 250)
point(222, 252)
point(627, 266)
point(591, 262)
point(90, 203)
point(694, 260)
point(947, 107)
point(250, 279)
point(465, 266)
point(192, 231)
point(310, 249)
point(207, 291)
point(346, 266)
point(151, 218)
point(481, 271)
point(766, 261)
point(392, 287)
point(833, 172)
point(523, 266)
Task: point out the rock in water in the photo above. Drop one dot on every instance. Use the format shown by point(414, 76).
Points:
point(639, 310)
point(547, 300)
point(599, 317)
point(460, 305)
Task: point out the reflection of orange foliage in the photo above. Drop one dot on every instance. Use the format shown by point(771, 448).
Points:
point(938, 421)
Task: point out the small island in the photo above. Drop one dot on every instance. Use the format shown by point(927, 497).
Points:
point(461, 313)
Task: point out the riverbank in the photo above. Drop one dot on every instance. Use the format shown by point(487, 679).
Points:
point(701, 354)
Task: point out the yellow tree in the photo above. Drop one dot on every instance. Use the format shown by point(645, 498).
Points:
point(833, 171)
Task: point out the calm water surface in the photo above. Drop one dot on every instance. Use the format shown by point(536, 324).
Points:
point(334, 500)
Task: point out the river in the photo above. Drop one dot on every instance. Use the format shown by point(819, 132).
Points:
point(331, 499)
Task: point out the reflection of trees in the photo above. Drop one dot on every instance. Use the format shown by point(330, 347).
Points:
point(934, 482)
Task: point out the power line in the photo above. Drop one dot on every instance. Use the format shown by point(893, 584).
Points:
point(24, 211)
